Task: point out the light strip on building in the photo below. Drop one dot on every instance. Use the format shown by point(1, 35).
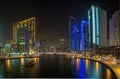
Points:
point(89, 26)
point(82, 35)
point(97, 25)
point(93, 24)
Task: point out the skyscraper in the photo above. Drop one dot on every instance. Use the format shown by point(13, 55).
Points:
point(114, 28)
point(111, 32)
point(22, 39)
point(97, 25)
point(83, 33)
point(24, 35)
point(74, 37)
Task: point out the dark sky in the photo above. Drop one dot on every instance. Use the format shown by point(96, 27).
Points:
point(52, 16)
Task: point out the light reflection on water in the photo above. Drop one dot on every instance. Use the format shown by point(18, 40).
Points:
point(108, 73)
point(22, 61)
point(92, 69)
point(87, 63)
point(54, 66)
point(8, 64)
point(97, 68)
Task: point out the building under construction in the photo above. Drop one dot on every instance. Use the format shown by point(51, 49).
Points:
point(24, 35)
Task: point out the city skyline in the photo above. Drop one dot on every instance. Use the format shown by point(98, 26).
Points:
point(52, 18)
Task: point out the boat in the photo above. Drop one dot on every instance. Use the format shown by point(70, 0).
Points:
point(30, 63)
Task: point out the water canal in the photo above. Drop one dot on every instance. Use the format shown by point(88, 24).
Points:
point(54, 66)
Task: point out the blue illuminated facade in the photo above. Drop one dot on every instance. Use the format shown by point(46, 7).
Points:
point(74, 34)
point(84, 35)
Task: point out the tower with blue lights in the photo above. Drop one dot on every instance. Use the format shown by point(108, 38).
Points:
point(83, 28)
point(97, 27)
point(74, 34)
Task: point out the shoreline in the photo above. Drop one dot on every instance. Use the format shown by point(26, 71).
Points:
point(115, 68)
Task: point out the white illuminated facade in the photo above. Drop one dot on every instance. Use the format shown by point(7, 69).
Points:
point(97, 25)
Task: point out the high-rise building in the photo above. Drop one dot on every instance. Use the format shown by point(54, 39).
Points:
point(114, 28)
point(24, 35)
point(97, 25)
point(74, 34)
point(83, 33)
point(111, 32)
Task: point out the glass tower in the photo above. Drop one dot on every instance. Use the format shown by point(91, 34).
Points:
point(83, 35)
point(97, 27)
point(74, 37)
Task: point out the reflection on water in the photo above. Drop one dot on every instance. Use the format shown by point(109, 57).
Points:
point(54, 66)
point(8, 64)
point(77, 64)
point(86, 62)
point(92, 69)
point(97, 67)
point(108, 74)
point(22, 61)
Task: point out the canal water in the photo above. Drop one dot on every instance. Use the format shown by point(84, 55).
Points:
point(54, 66)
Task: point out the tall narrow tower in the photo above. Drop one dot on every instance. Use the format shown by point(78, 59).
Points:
point(74, 34)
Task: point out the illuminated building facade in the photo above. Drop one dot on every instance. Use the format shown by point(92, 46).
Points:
point(74, 34)
point(84, 42)
point(24, 35)
point(114, 29)
point(97, 27)
point(23, 39)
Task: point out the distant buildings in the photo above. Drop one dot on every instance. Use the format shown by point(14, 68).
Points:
point(42, 45)
point(97, 22)
point(10, 47)
point(62, 45)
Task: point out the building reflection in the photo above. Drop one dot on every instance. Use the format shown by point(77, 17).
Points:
point(77, 64)
point(80, 68)
point(97, 66)
point(86, 62)
point(22, 61)
point(108, 74)
point(8, 64)
point(35, 59)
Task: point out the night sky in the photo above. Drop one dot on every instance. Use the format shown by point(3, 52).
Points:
point(52, 16)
